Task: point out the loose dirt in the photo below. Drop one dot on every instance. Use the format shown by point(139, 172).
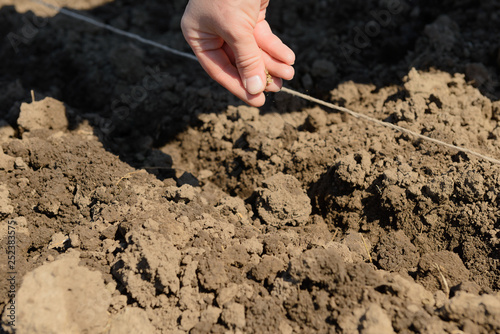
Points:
point(146, 199)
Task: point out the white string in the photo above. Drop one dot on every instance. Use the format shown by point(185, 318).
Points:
point(116, 30)
point(283, 89)
point(389, 125)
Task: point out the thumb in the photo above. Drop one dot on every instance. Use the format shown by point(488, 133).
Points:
point(250, 63)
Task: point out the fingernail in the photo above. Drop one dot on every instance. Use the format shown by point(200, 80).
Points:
point(254, 85)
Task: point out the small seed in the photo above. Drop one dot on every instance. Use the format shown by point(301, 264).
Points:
point(269, 78)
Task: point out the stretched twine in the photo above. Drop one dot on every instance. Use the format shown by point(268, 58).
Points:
point(390, 125)
point(283, 89)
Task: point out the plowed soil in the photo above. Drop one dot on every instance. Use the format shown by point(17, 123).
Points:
point(138, 196)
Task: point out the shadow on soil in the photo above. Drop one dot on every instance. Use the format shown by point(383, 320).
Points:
point(138, 98)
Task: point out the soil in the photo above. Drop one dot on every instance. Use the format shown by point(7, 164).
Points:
point(138, 196)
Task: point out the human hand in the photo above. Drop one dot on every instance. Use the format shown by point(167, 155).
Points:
point(235, 45)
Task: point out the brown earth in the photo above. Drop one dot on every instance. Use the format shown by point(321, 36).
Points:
point(140, 197)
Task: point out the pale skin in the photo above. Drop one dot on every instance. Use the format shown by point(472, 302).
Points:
point(235, 45)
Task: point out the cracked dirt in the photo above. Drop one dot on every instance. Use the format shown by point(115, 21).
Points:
point(146, 199)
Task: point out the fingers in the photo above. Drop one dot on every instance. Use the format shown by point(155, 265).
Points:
point(272, 45)
point(219, 66)
point(275, 85)
point(276, 69)
point(248, 60)
point(276, 57)
point(236, 50)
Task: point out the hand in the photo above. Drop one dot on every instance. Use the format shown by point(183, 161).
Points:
point(235, 45)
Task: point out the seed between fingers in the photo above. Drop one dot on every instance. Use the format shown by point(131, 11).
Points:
point(269, 78)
